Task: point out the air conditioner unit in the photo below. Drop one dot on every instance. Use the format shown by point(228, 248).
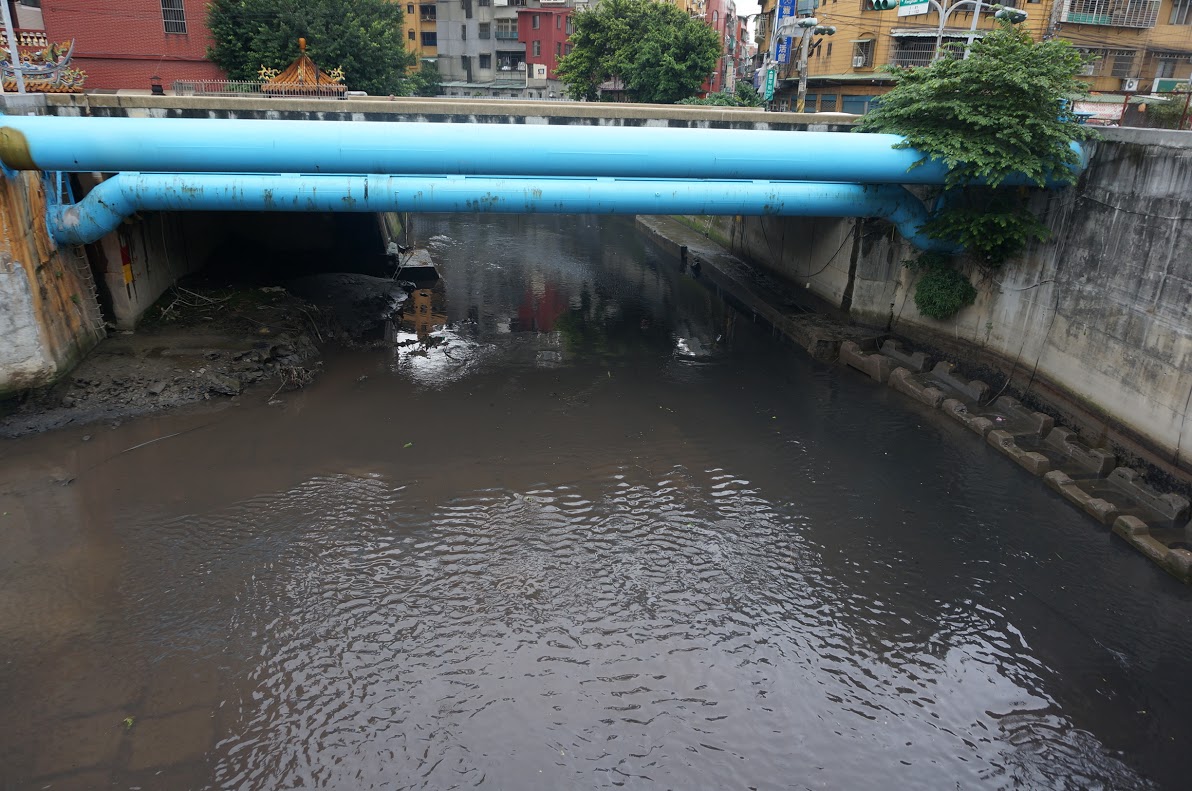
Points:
point(858, 61)
point(1130, 84)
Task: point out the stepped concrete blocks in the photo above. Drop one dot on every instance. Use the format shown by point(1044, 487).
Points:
point(877, 366)
point(916, 362)
point(1172, 508)
point(1103, 511)
point(1034, 463)
point(973, 390)
point(1178, 562)
point(902, 380)
point(1035, 423)
point(1095, 460)
point(975, 423)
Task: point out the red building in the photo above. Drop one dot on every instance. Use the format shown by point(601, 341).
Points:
point(720, 16)
point(125, 43)
point(545, 31)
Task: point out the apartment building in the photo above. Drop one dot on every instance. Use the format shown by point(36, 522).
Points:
point(1138, 45)
point(421, 20)
point(503, 48)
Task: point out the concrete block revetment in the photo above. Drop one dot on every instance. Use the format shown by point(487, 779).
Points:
point(1034, 463)
point(916, 362)
point(1103, 511)
point(973, 390)
point(902, 380)
point(1035, 423)
point(877, 366)
point(1171, 508)
point(1095, 460)
point(959, 411)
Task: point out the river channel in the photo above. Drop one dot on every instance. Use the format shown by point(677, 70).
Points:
point(605, 531)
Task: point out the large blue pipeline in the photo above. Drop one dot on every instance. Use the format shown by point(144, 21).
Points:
point(178, 145)
point(106, 206)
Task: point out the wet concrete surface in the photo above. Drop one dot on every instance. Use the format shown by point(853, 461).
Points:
point(578, 525)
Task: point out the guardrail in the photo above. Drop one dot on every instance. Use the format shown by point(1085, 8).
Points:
point(256, 89)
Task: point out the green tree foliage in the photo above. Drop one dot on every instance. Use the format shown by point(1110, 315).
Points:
point(998, 112)
point(659, 53)
point(426, 81)
point(363, 37)
point(1001, 111)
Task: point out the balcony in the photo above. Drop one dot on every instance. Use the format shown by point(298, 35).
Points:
point(1140, 14)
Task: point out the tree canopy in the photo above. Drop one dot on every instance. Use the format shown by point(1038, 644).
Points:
point(1004, 110)
point(363, 37)
point(659, 53)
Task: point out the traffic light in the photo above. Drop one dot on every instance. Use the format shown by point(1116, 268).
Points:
point(884, 5)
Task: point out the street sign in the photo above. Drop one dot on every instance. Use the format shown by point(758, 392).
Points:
point(782, 49)
point(771, 78)
point(913, 7)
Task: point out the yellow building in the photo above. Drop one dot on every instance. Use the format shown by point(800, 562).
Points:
point(421, 22)
point(1140, 45)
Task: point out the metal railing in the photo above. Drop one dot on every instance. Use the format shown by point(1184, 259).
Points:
point(1113, 13)
point(256, 89)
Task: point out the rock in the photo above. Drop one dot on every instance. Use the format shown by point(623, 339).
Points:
point(224, 385)
point(157, 387)
point(68, 401)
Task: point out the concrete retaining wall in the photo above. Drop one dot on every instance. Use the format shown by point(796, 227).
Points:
point(1097, 320)
point(49, 317)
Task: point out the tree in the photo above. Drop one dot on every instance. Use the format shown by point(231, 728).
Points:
point(426, 81)
point(659, 53)
point(363, 37)
point(1002, 111)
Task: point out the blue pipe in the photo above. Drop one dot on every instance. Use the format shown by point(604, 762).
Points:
point(106, 206)
point(240, 146)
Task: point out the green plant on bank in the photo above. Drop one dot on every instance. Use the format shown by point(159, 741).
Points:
point(1000, 112)
point(1167, 114)
point(745, 96)
point(659, 53)
point(941, 291)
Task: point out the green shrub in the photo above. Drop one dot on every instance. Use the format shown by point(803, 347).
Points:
point(941, 291)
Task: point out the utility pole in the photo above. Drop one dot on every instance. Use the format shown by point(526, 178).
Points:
point(810, 26)
point(14, 54)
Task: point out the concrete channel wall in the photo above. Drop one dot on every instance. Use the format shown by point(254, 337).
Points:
point(49, 317)
point(1097, 320)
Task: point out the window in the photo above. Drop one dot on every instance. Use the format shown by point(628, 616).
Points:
point(463, 32)
point(465, 62)
point(486, 61)
point(410, 35)
point(1123, 65)
point(809, 103)
point(506, 30)
point(173, 16)
point(570, 26)
point(429, 14)
point(1181, 12)
point(430, 39)
point(485, 2)
point(829, 49)
point(410, 9)
point(486, 30)
point(828, 103)
point(863, 54)
point(536, 49)
point(558, 21)
point(558, 48)
point(857, 105)
point(1165, 69)
point(535, 22)
point(566, 49)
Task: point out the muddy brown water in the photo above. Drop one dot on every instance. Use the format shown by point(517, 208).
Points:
point(604, 532)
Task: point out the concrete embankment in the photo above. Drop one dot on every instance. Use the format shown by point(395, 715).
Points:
point(1137, 504)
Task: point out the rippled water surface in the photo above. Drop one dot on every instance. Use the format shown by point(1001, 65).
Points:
point(603, 532)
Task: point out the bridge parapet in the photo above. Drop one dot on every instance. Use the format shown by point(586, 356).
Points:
point(442, 110)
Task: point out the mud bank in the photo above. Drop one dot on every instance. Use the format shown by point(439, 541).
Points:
point(201, 344)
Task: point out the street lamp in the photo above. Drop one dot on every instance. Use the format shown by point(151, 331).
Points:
point(1012, 15)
